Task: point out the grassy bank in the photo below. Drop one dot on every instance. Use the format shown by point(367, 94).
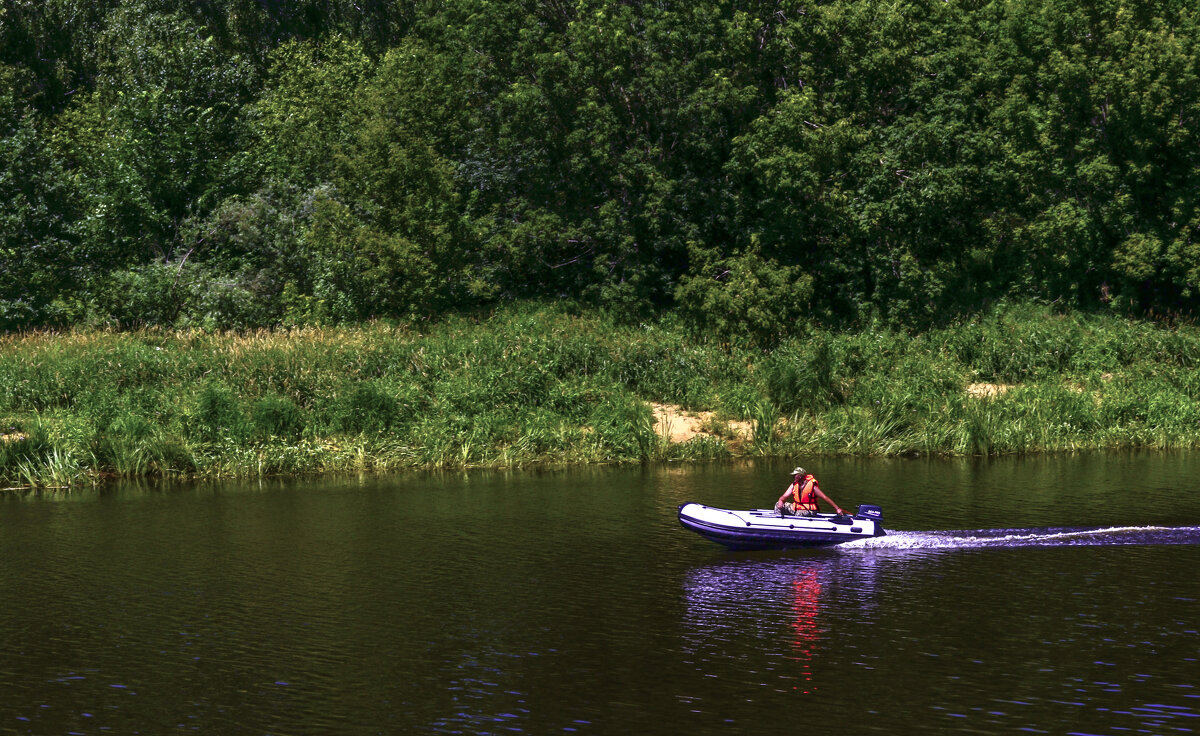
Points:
point(537, 385)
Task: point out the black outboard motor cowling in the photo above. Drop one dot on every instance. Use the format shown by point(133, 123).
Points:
point(869, 511)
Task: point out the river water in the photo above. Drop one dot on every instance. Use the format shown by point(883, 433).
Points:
point(1043, 595)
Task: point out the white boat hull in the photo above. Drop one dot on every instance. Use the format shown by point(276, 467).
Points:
point(767, 529)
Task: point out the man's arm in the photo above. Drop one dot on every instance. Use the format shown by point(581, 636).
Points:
point(829, 500)
point(786, 492)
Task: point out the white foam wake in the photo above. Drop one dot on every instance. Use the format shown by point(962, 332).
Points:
point(978, 538)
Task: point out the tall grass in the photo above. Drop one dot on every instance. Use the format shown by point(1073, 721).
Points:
point(533, 385)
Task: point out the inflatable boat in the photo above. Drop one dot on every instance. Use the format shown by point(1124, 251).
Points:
point(768, 529)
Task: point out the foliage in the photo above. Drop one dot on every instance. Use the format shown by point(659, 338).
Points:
point(530, 385)
point(153, 144)
point(762, 169)
point(745, 298)
point(216, 414)
point(366, 407)
point(36, 254)
point(276, 416)
point(300, 119)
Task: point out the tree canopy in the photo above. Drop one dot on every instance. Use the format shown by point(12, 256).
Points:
point(752, 166)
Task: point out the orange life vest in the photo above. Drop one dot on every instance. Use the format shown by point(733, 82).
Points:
point(804, 493)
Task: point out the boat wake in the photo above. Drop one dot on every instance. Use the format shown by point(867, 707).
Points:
point(1038, 537)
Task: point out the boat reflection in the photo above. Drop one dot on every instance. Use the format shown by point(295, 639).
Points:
point(806, 633)
point(786, 607)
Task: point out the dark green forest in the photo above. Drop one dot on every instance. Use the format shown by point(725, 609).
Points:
point(749, 166)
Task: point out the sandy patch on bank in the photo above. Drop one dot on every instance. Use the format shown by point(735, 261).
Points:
point(679, 425)
point(986, 390)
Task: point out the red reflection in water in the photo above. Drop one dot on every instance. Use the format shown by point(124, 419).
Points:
point(806, 603)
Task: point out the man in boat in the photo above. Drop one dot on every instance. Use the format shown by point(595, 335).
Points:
point(804, 493)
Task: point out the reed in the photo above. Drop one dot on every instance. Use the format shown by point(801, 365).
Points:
point(539, 385)
point(57, 468)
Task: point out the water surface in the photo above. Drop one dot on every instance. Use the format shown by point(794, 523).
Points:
point(1054, 595)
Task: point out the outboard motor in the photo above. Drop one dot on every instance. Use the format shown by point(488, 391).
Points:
point(869, 512)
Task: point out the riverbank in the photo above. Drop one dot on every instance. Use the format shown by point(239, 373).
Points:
point(533, 386)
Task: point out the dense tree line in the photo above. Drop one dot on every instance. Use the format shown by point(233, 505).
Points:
point(753, 165)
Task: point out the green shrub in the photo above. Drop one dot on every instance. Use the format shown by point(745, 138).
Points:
point(799, 376)
point(276, 416)
point(20, 448)
point(132, 446)
point(624, 427)
point(745, 299)
point(739, 400)
point(216, 414)
point(366, 408)
point(152, 294)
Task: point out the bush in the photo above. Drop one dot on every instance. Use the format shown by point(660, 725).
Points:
point(625, 427)
point(276, 416)
point(740, 401)
point(366, 409)
point(152, 294)
point(22, 447)
point(133, 446)
point(744, 299)
point(801, 378)
point(216, 414)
